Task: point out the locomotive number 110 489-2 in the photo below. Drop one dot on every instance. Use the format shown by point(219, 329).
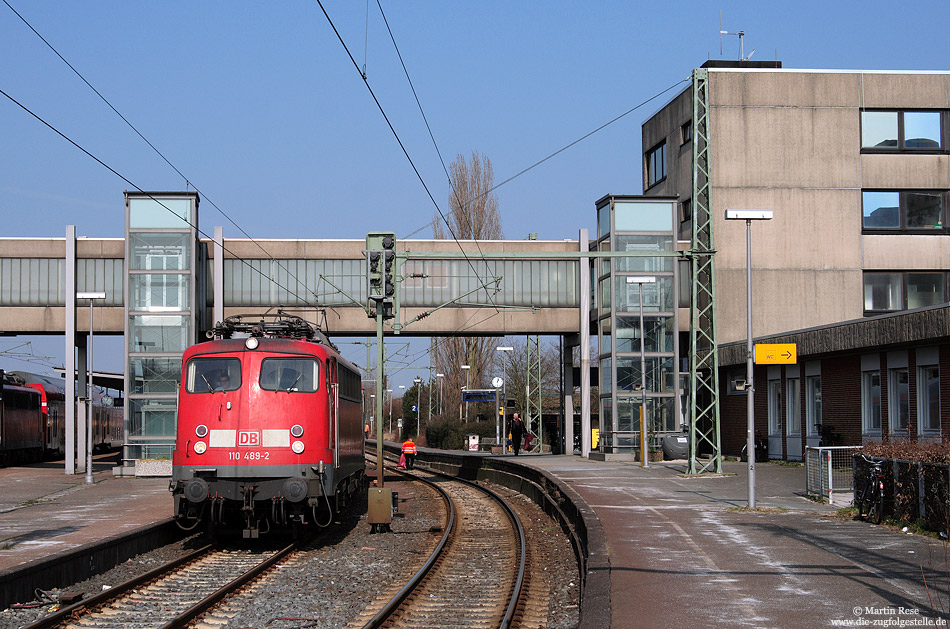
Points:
point(248, 456)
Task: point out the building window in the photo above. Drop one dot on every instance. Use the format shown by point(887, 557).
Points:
point(903, 210)
point(686, 220)
point(775, 407)
point(928, 398)
point(656, 164)
point(883, 292)
point(686, 210)
point(793, 416)
point(684, 286)
point(892, 291)
point(813, 404)
point(871, 402)
point(925, 289)
point(898, 408)
point(686, 132)
point(903, 130)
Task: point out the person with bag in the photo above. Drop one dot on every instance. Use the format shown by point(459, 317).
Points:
point(517, 432)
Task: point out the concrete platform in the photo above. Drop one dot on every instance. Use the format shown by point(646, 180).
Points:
point(684, 551)
point(44, 512)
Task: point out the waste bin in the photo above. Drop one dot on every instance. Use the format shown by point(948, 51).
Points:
point(472, 442)
point(675, 446)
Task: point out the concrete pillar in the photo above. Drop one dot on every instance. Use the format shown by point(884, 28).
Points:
point(584, 299)
point(218, 267)
point(81, 412)
point(69, 281)
point(567, 365)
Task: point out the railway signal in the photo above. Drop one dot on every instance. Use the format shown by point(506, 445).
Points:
point(380, 273)
point(380, 297)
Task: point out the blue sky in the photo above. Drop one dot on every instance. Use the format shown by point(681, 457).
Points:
point(259, 105)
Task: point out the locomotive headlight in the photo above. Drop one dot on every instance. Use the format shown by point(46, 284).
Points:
point(251, 342)
point(297, 447)
point(200, 447)
point(201, 431)
point(297, 431)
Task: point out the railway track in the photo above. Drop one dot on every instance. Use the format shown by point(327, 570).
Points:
point(171, 595)
point(474, 576)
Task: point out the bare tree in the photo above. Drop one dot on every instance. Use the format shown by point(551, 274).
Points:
point(473, 216)
point(473, 208)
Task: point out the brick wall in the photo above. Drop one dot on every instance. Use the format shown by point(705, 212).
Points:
point(841, 397)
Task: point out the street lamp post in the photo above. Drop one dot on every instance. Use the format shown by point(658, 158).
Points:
point(390, 392)
point(467, 369)
point(504, 397)
point(748, 216)
point(440, 376)
point(401, 386)
point(417, 381)
point(644, 437)
point(429, 392)
point(92, 297)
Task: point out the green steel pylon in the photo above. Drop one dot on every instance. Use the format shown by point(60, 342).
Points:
point(703, 354)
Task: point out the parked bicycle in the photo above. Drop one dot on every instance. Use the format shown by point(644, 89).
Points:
point(761, 449)
point(828, 436)
point(871, 502)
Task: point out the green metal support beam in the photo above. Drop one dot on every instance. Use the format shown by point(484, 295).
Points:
point(703, 355)
point(532, 404)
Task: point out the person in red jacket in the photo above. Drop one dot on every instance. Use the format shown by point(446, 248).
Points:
point(409, 450)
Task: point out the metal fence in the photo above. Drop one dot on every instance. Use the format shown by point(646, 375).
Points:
point(914, 491)
point(829, 473)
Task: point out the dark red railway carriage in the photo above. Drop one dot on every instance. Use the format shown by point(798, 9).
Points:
point(269, 430)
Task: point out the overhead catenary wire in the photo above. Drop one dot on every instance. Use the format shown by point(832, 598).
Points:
point(435, 144)
point(188, 183)
point(149, 195)
point(463, 326)
point(211, 202)
point(567, 146)
point(192, 225)
point(399, 140)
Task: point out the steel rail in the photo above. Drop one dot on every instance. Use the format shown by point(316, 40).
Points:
point(380, 618)
point(396, 601)
point(519, 581)
point(211, 600)
point(60, 616)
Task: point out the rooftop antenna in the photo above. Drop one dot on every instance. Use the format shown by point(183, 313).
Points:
point(741, 34)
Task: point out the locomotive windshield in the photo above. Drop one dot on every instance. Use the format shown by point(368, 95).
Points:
point(300, 375)
point(207, 375)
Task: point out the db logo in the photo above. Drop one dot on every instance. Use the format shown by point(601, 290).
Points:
point(249, 438)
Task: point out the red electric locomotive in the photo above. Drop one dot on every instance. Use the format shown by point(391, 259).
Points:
point(269, 428)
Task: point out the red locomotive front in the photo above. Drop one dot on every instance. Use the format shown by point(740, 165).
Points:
point(268, 430)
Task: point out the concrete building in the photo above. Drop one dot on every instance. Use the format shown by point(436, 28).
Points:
point(856, 168)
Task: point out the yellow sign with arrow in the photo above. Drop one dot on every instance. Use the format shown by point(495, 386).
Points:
point(776, 353)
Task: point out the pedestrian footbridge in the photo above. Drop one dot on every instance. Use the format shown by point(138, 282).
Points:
point(445, 287)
